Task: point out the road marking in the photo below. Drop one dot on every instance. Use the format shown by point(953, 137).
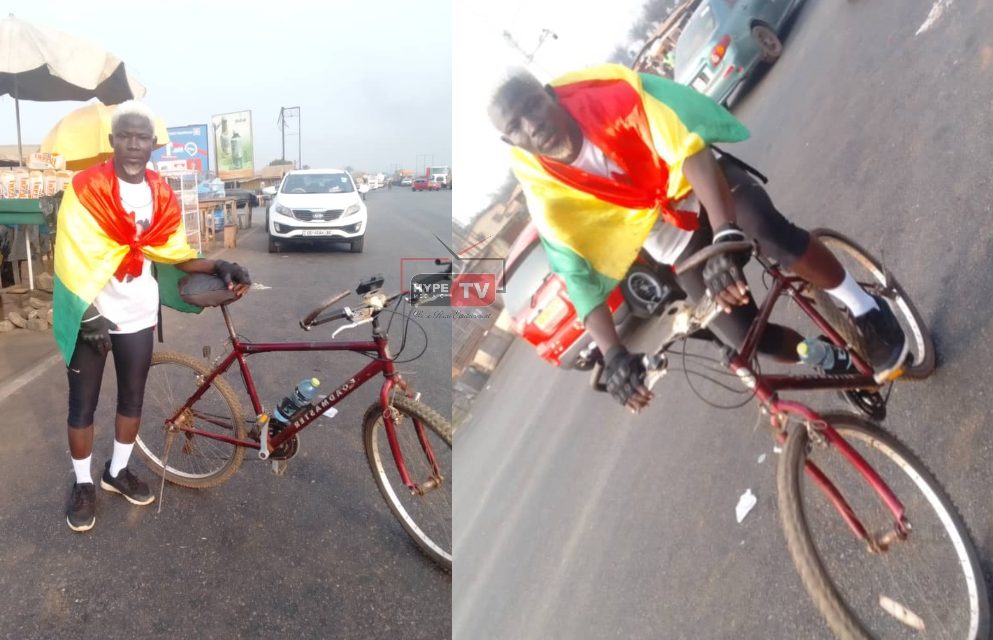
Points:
point(11, 387)
point(937, 10)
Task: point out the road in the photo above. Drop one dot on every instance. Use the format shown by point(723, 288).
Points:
point(312, 554)
point(575, 520)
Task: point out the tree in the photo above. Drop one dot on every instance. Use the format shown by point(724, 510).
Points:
point(279, 161)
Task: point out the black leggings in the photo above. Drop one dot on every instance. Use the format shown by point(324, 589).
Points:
point(778, 239)
point(132, 359)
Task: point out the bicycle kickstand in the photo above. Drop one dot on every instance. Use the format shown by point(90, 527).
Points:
point(170, 436)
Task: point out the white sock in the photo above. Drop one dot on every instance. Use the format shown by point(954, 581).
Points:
point(82, 469)
point(850, 294)
point(122, 453)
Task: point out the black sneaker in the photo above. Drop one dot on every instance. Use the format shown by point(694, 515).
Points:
point(884, 340)
point(128, 485)
point(81, 514)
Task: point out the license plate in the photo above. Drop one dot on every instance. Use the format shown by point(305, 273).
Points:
point(550, 316)
point(700, 82)
point(317, 232)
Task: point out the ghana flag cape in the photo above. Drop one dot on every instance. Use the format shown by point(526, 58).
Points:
point(592, 227)
point(98, 240)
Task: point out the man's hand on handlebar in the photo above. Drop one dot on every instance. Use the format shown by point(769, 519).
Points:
point(624, 373)
point(723, 273)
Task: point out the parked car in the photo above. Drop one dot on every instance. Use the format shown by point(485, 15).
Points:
point(543, 315)
point(406, 181)
point(725, 40)
point(423, 184)
point(317, 204)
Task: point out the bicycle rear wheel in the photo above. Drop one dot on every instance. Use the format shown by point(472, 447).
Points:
point(425, 514)
point(194, 461)
point(869, 272)
point(928, 585)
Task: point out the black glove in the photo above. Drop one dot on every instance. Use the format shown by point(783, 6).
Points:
point(724, 270)
point(624, 372)
point(231, 272)
point(94, 330)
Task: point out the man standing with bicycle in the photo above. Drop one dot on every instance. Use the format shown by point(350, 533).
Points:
point(115, 220)
point(611, 160)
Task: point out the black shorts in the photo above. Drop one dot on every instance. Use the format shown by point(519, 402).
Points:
point(132, 359)
point(778, 239)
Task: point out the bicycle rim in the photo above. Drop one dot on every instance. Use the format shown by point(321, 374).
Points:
point(929, 585)
point(869, 272)
point(193, 461)
point(426, 517)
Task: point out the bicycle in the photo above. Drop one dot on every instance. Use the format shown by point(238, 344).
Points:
point(944, 595)
point(407, 444)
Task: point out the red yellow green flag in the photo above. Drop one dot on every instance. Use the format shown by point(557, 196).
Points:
point(592, 227)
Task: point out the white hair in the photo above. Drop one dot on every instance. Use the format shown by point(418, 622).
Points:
point(132, 108)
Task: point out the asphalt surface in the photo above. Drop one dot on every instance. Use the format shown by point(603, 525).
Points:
point(576, 520)
point(312, 554)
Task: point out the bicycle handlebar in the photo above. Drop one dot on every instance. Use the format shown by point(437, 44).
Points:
point(374, 301)
point(707, 253)
point(307, 322)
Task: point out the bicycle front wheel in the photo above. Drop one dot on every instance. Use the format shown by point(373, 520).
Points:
point(928, 585)
point(422, 435)
point(869, 272)
point(194, 461)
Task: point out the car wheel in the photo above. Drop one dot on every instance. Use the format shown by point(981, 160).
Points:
point(643, 291)
point(769, 44)
point(357, 245)
point(273, 246)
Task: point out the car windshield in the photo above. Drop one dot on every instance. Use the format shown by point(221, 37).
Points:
point(317, 183)
point(525, 279)
point(695, 35)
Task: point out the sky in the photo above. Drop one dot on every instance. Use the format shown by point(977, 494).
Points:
point(587, 34)
point(373, 80)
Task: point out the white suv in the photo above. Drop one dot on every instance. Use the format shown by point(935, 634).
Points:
point(314, 204)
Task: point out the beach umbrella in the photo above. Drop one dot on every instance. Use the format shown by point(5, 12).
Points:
point(45, 65)
point(82, 136)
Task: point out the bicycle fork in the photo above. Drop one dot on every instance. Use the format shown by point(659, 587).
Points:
point(821, 434)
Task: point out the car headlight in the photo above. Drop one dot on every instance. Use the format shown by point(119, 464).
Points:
point(352, 210)
point(280, 209)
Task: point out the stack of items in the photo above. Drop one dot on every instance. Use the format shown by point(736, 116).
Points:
point(45, 175)
point(27, 310)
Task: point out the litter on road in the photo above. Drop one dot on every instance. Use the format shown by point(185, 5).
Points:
point(745, 504)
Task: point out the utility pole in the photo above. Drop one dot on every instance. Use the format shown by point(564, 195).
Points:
point(285, 114)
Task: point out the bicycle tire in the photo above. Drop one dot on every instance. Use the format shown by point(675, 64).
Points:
point(183, 447)
point(436, 543)
point(809, 562)
point(921, 343)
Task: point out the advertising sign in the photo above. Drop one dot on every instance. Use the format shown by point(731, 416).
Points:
point(233, 148)
point(186, 151)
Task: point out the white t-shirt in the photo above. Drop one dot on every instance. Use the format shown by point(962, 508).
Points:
point(665, 242)
point(133, 304)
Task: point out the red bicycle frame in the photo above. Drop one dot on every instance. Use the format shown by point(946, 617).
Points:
point(382, 364)
point(766, 388)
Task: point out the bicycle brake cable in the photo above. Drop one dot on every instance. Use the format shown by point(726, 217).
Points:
point(689, 382)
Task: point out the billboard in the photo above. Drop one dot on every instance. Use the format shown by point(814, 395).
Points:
point(186, 151)
point(233, 150)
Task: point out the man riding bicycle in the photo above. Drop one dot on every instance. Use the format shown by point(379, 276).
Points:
point(611, 160)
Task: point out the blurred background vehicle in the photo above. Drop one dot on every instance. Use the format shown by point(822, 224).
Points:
point(724, 41)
